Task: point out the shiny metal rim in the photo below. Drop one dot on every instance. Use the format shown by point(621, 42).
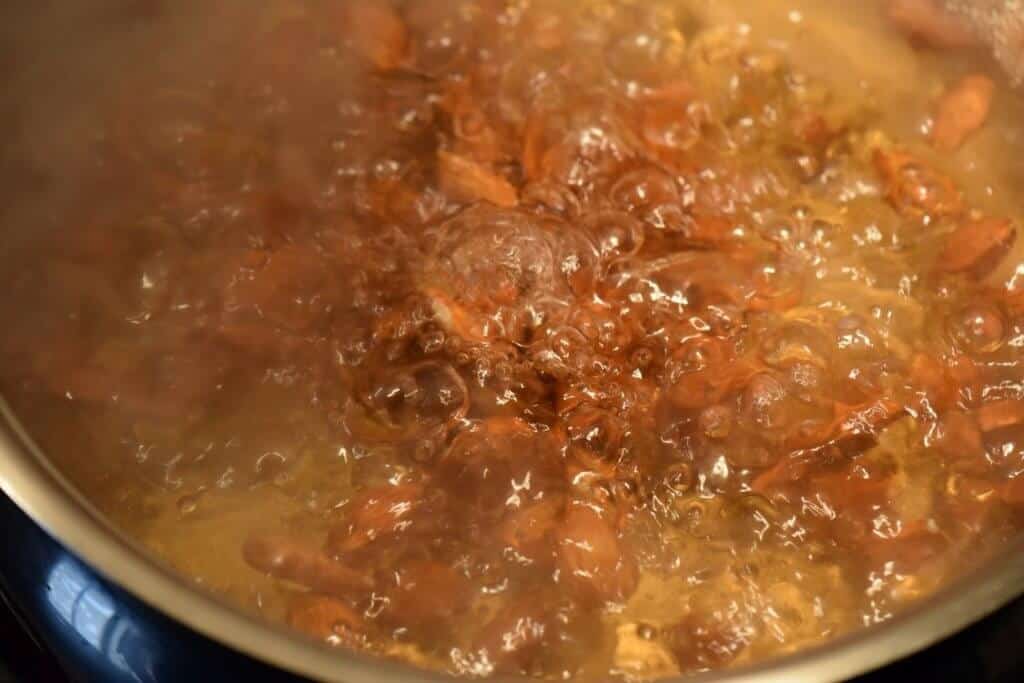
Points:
point(43, 493)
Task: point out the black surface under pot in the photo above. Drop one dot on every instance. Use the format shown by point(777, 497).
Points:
point(63, 621)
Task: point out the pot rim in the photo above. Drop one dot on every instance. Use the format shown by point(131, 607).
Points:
point(46, 496)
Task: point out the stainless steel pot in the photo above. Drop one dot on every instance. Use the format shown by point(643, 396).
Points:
point(28, 479)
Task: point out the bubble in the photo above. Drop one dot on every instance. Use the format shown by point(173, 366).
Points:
point(188, 504)
point(641, 358)
point(764, 401)
point(596, 431)
point(617, 235)
point(695, 358)
point(645, 58)
point(644, 187)
point(679, 478)
point(489, 257)
point(270, 464)
point(420, 396)
point(853, 333)
point(716, 421)
point(977, 328)
point(552, 198)
point(432, 340)
point(646, 631)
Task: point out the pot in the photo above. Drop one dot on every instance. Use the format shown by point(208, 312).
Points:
point(110, 612)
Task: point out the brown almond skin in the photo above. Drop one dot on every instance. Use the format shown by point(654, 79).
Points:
point(976, 247)
point(1000, 414)
point(961, 111)
point(929, 22)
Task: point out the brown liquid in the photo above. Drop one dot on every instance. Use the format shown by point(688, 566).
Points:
point(563, 339)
